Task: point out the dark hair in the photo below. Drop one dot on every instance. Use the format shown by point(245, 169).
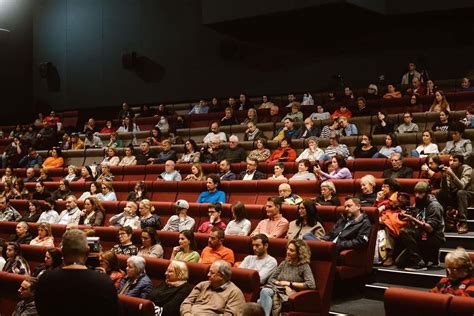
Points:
point(409, 113)
point(58, 151)
point(458, 127)
point(445, 111)
point(311, 213)
point(263, 140)
point(436, 159)
point(239, 211)
point(394, 138)
point(289, 119)
point(393, 184)
point(159, 133)
point(33, 281)
point(417, 100)
point(51, 202)
point(193, 145)
point(385, 114)
point(56, 255)
point(189, 234)
point(20, 183)
point(112, 260)
point(305, 162)
point(459, 157)
point(362, 99)
point(16, 247)
point(216, 206)
point(278, 201)
point(65, 182)
point(281, 165)
point(37, 205)
point(142, 185)
point(215, 178)
point(288, 140)
point(254, 160)
point(220, 232)
point(98, 186)
point(353, 199)
point(153, 235)
point(340, 161)
point(262, 237)
point(126, 229)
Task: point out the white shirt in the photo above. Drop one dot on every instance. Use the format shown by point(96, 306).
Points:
point(241, 228)
point(50, 216)
point(210, 136)
point(178, 224)
point(248, 176)
point(430, 149)
point(71, 216)
point(264, 267)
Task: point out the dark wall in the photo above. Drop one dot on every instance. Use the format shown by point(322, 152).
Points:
point(16, 53)
point(85, 40)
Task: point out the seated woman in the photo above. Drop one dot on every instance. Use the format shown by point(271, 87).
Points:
point(459, 275)
point(390, 147)
point(384, 125)
point(111, 159)
point(8, 191)
point(335, 148)
point(128, 217)
point(125, 247)
point(252, 132)
point(392, 92)
point(260, 153)
point(128, 126)
point(129, 159)
point(86, 175)
point(443, 122)
point(44, 176)
point(343, 111)
point(71, 173)
point(49, 214)
point(15, 263)
point(251, 117)
point(389, 187)
point(139, 192)
point(62, 192)
point(328, 195)
point(105, 175)
point(303, 173)
point(34, 212)
point(439, 103)
point(45, 237)
point(313, 152)
point(229, 118)
point(108, 128)
point(55, 160)
point(135, 283)
point(107, 193)
point(239, 225)
point(114, 141)
point(292, 275)
point(308, 222)
point(320, 114)
point(367, 186)
point(151, 246)
point(338, 167)
point(278, 170)
point(427, 146)
point(168, 295)
point(458, 144)
point(191, 152)
point(284, 152)
point(431, 170)
point(147, 217)
point(94, 189)
point(109, 265)
point(93, 213)
point(156, 137)
point(40, 192)
point(196, 173)
point(20, 192)
point(266, 103)
point(295, 114)
point(365, 148)
point(186, 251)
point(9, 176)
point(53, 259)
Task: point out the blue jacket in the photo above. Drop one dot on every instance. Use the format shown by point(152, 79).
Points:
point(212, 197)
point(140, 287)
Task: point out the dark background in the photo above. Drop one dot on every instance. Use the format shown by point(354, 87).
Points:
point(189, 48)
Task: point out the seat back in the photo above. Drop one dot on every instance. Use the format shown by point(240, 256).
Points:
point(10, 283)
point(398, 301)
point(133, 306)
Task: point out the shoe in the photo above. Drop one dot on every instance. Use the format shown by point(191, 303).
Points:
point(388, 262)
point(462, 228)
point(420, 266)
point(433, 265)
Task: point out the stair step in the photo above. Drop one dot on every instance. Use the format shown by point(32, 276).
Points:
point(444, 251)
point(397, 277)
point(454, 240)
point(376, 290)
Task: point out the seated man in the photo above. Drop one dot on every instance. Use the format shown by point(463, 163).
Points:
point(234, 153)
point(181, 221)
point(251, 173)
point(351, 231)
point(30, 175)
point(274, 115)
point(199, 108)
point(76, 142)
point(7, 213)
point(308, 130)
point(170, 173)
point(408, 126)
point(457, 188)
point(212, 195)
point(128, 217)
point(225, 173)
point(32, 160)
point(261, 261)
point(362, 109)
point(212, 152)
point(287, 131)
point(275, 226)
point(347, 129)
point(458, 144)
point(214, 132)
point(166, 154)
point(27, 304)
point(284, 190)
point(218, 296)
point(215, 250)
point(424, 235)
point(398, 170)
point(331, 129)
point(22, 235)
point(145, 155)
point(214, 211)
point(93, 141)
point(72, 214)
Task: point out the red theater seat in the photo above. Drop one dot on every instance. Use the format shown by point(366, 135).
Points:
point(190, 191)
point(10, 283)
point(243, 191)
point(373, 166)
point(266, 189)
point(398, 301)
point(461, 306)
point(307, 189)
point(164, 191)
point(134, 173)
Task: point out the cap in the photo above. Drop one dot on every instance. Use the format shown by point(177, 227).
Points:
point(421, 187)
point(182, 204)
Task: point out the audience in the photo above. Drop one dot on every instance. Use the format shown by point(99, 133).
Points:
point(338, 170)
point(458, 144)
point(347, 129)
point(40, 192)
point(53, 259)
point(284, 152)
point(181, 221)
point(55, 160)
point(239, 225)
point(367, 196)
point(86, 175)
point(108, 264)
point(136, 282)
point(22, 234)
point(313, 152)
point(93, 213)
point(186, 251)
point(212, 195)
point(94, 189)
point(251, 173)
point(234, 153)
point(261, 261)
point(45, 237)
point(170, 173)
point(260, 153)
point(33, 213)
point(27, 305)
point(214, 211)
point(288, 130)
point(398, 170)
point(213, 132)
point(295, 114)
point(7, 213)
point(15, 263)
point(343, 111)
point(107, 193)
point(62, 192)
point(392, 92)
point(278, 170)
point(320, 114)
point(196, 173)
point(151, 246)
point(129, 159)
point(49, 214)
point(225, 173)
point(125, 246)
point(333, 128)
point(215, 249)
point(443, 122)
point(408, 126)
point(139, 192)
point(287, 196)
point(426, 147)
point(391, 146)
point(335, 148)
point(252, 132)
point(191, 152)
point(127, 218)
point(217, 296)
point(229, 118)
point(412, 73)
point(275, 226)
point(384, 125)
point(71, 174)
point(308, 221)
point(439, 103)
point(328, 195)
point(147, 216)
point(365, 148)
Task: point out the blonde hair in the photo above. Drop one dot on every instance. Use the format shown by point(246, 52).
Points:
point(181, 270)
point(368, 179)
point(460, 256)
point(47, 228)
point(329, 185)
point(147, 203)
point(304, 253)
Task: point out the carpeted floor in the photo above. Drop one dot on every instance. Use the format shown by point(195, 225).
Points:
point(358, 306)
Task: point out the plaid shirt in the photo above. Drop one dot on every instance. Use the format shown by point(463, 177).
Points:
point(457, 288)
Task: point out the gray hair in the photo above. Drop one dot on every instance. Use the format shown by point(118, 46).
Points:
point(24, 224)
point(233, 138)
point(138, 262)
point(461, 257)
point(395, 154)
point(329, 185)
point(368, 179)
point(74, 243)
point(224, 269)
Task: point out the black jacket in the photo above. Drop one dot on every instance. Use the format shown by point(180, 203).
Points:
point(256, 176)
point(354, 236)
point(304, 133)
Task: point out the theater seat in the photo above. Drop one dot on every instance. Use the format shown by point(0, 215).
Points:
point(398, 301)
point(266, 189)
point(243, 191)
point(461, 306)
point(10, 283)
point(164, 191)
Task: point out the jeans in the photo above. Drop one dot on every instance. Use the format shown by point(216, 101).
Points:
point(414, 153)
point(310, 236)
point(379, 155)
point(461, 199)
point(417, 248)
point(266, 300)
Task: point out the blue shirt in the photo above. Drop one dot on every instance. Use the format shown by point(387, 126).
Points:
point(212, 197)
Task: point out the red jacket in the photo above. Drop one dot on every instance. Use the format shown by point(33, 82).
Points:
point(277, 155)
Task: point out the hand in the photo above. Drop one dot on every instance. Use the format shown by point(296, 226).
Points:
point(317, 169)
point(425, 167)
point(449, 171)
point(212, 218)
point(407, 216)
point(176, 249)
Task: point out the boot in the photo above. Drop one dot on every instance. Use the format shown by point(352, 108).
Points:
point(462, 228)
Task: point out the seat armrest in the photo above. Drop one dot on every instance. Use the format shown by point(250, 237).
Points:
point(305, 301)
